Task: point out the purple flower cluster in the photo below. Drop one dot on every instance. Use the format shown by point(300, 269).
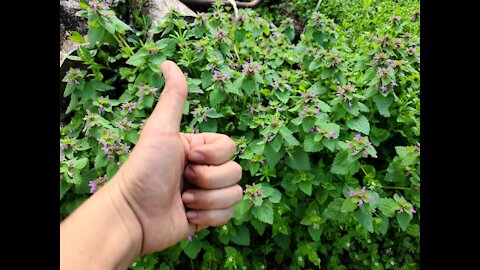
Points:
point(200, 111)
point(345, 91)
point(250, 68)
point(98, 5)
point(359, 144)
point(190, 237)
point(112, 145)
point(97, 183)
point(73, 75)
point(221, 35)
point(254, 193)
point(128, 107)
point(124, 123)
point(145, 90)
point(362, 195)
point(220, 76)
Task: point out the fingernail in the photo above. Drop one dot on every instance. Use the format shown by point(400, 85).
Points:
point(189, 173)
point(196, 156)
point(165, 69)
point(192, 215)
point(188, 197)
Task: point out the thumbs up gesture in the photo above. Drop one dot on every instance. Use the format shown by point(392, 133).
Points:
point(164, 162)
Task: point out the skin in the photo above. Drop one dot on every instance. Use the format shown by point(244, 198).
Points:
point(171, 185)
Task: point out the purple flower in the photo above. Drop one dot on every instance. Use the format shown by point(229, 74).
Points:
point(287, 86)
point(317, 110)
point(360, 202)
point(93, 186)
point(331, 134)
point(71, 174)
point(314, 129)
point(384, 88)
point(413, 211)
point(368, 143)
point(350, 105)
point(357, 137)
point(190, 238)
point(104, 5)
point(371, 198)
point(260, 191)
point(363, 189)
point(262, 162)
point(351, 193)
point(401, 210)
point(380, 72)
point(305, 108)
point(250, 198)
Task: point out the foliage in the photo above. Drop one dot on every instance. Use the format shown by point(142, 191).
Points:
point(328, 129)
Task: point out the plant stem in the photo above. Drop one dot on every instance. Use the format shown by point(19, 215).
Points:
point(392, 187)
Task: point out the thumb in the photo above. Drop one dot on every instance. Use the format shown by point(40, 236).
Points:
point(167, 115)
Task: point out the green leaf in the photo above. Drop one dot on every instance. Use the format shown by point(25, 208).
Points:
point(368, 75)
point(264, 212)
point(319, 37)
point(333, 211)
point(95, 35)
point(290, 33)
point(314, 65)
point(348, 205)
point(271, 156)
point(99, 86)
point(64, 187)
point(133, 136)
point(343, 164)
point(69, 89)
point(327, 73)
point(276, 143)
point(276, 196)
point(403, 220)
point(259, 226)
point(213, 114)
point(282, 240)
point(241, 208)
point(359, 124)
point(84, 53)
point(81, 163)
point(314, 233)
point(242, 237)
point(310, 145)
point(388, 207)
point(299, 160)
point(248, 86)
point(395, 171)
point(365, 219)
point(288, 137)
point(193, 248)
point(73, 103)
point(408, 155)
point(138, 58)
point(306, 187)
point(76, 37)
point(217, 96)
point(383, 103)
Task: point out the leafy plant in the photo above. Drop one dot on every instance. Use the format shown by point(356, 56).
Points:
point(328, 129)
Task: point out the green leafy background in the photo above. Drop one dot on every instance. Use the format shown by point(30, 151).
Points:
point(301, 139)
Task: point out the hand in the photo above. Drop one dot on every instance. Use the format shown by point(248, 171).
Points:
point(152, 179)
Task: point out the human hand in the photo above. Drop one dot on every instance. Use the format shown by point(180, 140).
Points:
point(164, 161)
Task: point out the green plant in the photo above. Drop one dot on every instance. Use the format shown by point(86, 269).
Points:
point(328, 130)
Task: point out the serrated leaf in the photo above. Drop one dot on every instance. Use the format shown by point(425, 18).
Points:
point(403, 219)
point(310, 145)
point(64, 187)
point(314, 65)
point(348, 205)
point(388, 207)
point(306, 187)
point(73, 103)
point(299, 160)
point(333, 211)
point(365, 219)
point(314, 233)
point(383, 104)
point(277, 143)
point(138, 58)
point(248, 86)
point(288, 137)
point(241, 208)
point(408, 155)
point(344, 164)
point(193, 248)
point(242, 237)
point(271, 156)
point(395, 171)
point(264, 212)
point(327, 73)
point(95, 34)
point(258, 225)
point(76, 37)
point(81, 163)
point(217, 96)
point(359, 124)
point(368, 75)
point(214, 114)
point(276, 196)
point(282, 240)
point(133, 136)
